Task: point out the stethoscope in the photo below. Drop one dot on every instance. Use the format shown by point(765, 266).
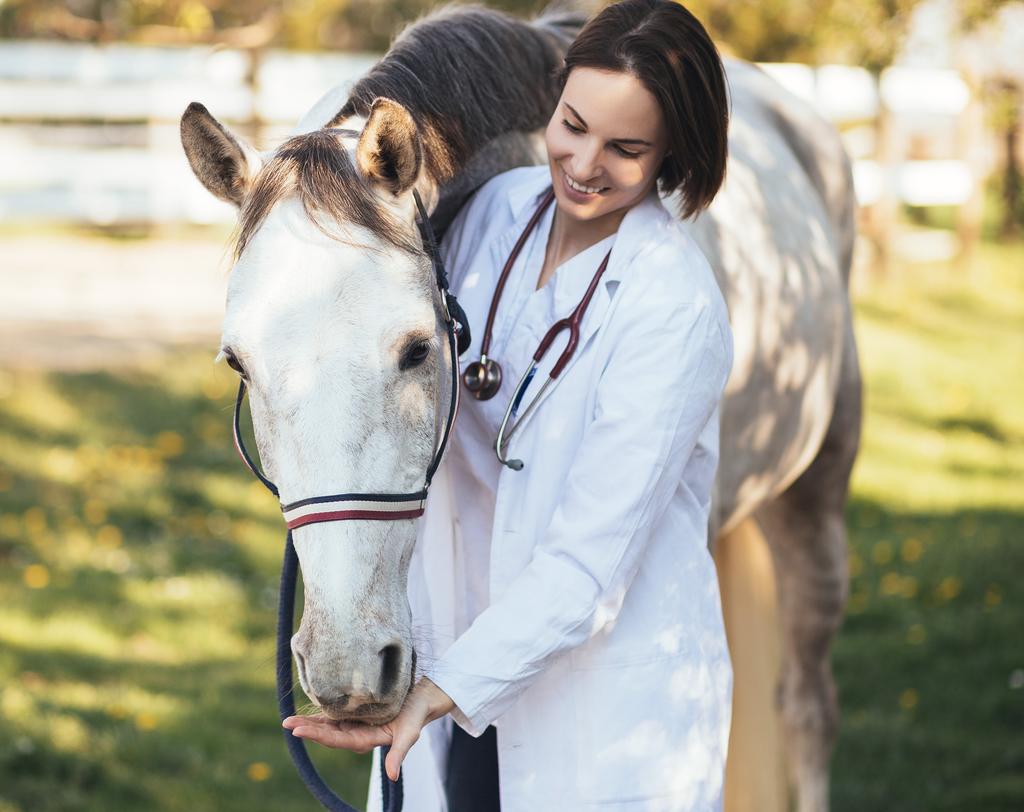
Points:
point(483, 378)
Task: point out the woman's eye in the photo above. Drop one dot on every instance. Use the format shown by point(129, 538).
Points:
point(625, 153)
point(571, 127)
point(415, 355)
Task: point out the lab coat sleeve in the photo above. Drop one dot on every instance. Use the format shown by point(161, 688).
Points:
point(660, 387)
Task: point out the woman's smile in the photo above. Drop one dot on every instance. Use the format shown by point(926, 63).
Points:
point(581, 192)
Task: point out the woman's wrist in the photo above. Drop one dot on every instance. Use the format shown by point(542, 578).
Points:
point(438, 702)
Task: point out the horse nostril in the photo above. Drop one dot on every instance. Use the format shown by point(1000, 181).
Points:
point(391, 661)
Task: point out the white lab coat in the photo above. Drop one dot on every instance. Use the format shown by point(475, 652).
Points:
point(601, 657)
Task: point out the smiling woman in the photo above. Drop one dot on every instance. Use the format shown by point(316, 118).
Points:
point(643, 101)
point(591, 637)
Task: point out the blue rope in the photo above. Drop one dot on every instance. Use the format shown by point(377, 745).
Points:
point(392, 790)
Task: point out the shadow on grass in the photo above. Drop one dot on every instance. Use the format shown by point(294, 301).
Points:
point(976, 425)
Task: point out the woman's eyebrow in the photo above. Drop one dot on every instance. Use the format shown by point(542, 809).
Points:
point(638, 141)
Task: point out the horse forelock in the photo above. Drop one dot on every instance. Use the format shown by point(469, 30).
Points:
point(316, 168)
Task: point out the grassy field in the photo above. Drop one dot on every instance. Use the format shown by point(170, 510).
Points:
point(139, 564)
point(930, 661)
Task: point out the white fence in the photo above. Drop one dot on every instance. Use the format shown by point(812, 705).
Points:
point(90, 133)
point(920, 104)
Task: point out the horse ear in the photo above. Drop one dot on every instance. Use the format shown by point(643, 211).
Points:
point(389, 151)
point(223, 164)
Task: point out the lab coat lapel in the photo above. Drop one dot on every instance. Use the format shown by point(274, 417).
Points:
point(523, 200)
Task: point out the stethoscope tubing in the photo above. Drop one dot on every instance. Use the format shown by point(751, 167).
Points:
point(485, 345)
point(571, 323)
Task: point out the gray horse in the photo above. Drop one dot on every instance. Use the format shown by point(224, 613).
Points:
point(331, 295)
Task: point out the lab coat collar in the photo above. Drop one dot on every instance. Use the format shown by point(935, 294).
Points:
point(641, 223)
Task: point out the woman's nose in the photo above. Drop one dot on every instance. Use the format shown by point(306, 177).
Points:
point(586, 162)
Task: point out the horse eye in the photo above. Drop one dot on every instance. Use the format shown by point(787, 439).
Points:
point(415, 355)
point(233, 362)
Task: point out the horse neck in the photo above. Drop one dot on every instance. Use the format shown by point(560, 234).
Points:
point(473, 57)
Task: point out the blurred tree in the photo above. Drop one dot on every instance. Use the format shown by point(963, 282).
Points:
point(992, 54)
point(861, 32)
point(303, 24)
point(857, 32)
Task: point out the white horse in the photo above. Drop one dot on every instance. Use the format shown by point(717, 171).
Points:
point(334, 321)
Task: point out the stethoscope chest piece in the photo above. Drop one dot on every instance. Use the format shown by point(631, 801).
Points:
point(482, 378)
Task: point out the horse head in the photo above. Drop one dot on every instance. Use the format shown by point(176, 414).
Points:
point(336, 325)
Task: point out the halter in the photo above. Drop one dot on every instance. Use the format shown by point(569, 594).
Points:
point(346, 506)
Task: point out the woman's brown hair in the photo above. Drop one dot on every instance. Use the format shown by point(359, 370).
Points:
point(668, 50)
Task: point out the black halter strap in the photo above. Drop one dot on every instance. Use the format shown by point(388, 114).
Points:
point(453, 310)
point(338, 507)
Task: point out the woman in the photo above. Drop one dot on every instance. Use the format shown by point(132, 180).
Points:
point(590, 656)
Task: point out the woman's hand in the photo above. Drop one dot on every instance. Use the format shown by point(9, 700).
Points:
point(425, 703)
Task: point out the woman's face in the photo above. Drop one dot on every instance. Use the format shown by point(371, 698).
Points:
point(606, 142)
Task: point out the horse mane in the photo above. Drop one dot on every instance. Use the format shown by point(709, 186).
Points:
point(466, 75)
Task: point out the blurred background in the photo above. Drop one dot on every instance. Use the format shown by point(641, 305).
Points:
point(138, 560)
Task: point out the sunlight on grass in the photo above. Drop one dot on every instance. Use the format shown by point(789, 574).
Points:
point(139, 590)
point(941, 354)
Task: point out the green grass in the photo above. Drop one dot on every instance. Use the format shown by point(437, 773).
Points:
point(139, 586)
point(138, 567)
point(929, 662)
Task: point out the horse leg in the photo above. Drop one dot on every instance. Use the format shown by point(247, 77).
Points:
point(810, 565)
point(806, 534)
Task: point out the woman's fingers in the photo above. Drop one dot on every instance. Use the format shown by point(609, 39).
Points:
point(425, 702)
point(347, 736)
point(407, 732)
point(294, 721)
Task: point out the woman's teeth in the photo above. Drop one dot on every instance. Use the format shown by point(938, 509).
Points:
point(579, 187)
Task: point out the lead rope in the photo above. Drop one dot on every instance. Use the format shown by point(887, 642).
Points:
point(458, 341)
